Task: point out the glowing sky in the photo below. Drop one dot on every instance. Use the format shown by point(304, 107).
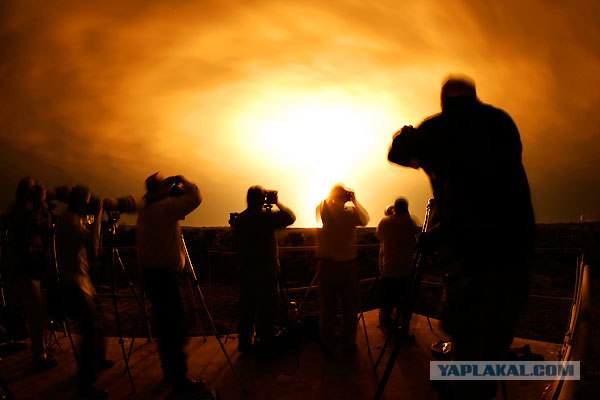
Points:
point(295, 96)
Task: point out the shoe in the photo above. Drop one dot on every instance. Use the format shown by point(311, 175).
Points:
point(188, 385)
point(45, 362)
point(106, 364)
point(93, 393)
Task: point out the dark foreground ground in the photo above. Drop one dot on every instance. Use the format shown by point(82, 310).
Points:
point(299, 372)
point(559, 248)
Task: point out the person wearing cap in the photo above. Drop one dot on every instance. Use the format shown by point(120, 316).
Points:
point(471, 152)
point(397, 236)
point(161, 256)
point(337, 268)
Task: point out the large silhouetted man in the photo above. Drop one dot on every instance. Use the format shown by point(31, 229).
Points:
point(471, 152)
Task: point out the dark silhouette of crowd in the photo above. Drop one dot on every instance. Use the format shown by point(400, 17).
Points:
point(482, 240)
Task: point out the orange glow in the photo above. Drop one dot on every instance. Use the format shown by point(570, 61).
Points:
point(316, 140)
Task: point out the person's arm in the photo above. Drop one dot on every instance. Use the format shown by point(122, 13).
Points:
point(361, 214)
point(319, 213)
point(177, 207)
point(379, 230)
point(285, 216)
point(405, 148)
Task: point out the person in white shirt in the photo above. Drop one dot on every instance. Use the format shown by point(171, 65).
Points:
point(162, 259)
point(337, 269)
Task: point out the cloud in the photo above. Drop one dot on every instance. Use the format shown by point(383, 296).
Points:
point(106, 93)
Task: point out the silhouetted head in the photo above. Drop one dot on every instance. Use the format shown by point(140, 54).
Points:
point(457, 87)
point(401, 206)
point(156, 188)
point(24, 188)
point(255, 197)
point(78, 199)
point(339, 194)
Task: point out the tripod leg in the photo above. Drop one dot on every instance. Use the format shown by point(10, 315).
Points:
point(364, 324)
point(141, 304)
point(210, 318)
point(235, 316)
point(67, 329)
point(118, 320)
point(312, 283)
point(362, 316)
point(214, 328)
point(195, 305)
point(389, 367)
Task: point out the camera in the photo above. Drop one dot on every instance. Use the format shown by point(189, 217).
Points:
point(389, 210)
point(349, 195)
point(270, 197)
point(175, 186)
point(233, 216)
point(125, 204)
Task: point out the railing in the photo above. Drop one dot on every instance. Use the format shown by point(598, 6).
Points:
point(576, 339)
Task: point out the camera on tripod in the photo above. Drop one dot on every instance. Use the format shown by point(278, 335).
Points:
point(124, 204)
point(270, 197)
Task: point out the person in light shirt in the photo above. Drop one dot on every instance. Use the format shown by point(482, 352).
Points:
point(161, 257)
point(337, 269)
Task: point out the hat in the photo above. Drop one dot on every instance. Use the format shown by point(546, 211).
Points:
point(154, 182)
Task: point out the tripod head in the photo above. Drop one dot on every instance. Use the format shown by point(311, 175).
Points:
point(112, 221)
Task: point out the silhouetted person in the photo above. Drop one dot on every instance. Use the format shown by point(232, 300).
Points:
point(397, 235)
point(337, 269)
point(29, 238)
point(471, 152)
point(161, 257)
point(256, 245)
point(73, 241)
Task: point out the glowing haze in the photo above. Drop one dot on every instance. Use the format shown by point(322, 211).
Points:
point(294, 96)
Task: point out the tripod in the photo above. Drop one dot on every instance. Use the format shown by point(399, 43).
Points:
point(116, 260)
point(402, 320)
point(65, 325)
point(192, 273)
point(361, 315)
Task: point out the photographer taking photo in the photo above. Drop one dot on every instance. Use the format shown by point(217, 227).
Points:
point(29, 225)
point(256, 245)
point(337, 268)
point(73, 241)
point(472, 154)
point(161, 257)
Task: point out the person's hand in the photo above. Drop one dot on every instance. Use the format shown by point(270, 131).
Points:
point(405, 129)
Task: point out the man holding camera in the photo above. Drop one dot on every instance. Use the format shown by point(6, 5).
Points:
point(73, 240)
point(397, 234)
point(162, 259)
point(337, 268)
point(256, 243)
point(471, 152)
point(29, 236)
